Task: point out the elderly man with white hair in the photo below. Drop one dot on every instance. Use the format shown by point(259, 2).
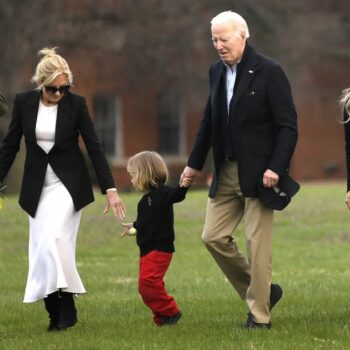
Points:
point(250, 123)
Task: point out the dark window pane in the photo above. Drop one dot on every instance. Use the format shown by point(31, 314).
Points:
point(168, 124)
point(105, 122)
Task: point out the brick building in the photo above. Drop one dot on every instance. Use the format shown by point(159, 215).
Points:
point(144, 73)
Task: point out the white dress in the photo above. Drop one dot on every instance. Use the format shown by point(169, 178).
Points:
point(53, 231)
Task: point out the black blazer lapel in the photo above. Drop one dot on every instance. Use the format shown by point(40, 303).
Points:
point(216, 78)
point(30, 113)
point(218, 70)
point(63, 116)
point(248, 74)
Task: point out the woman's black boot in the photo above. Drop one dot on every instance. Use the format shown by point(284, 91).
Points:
point(67, 311)
point(52, 307)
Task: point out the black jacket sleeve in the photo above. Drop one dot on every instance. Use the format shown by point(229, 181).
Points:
point(175, 195)
point(11, 144)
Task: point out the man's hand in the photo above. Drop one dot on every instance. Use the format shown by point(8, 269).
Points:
point(270, 178)
point(188, 173)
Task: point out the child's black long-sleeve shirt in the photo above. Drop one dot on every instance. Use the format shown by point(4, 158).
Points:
point(155, 219)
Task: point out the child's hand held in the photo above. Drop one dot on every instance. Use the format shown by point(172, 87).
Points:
point(186, 181)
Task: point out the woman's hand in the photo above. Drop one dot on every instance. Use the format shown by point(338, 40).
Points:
point(347, 200)
point(114, 202)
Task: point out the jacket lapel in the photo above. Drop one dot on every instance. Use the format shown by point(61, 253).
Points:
point(63, 113)
point(31, 114)
point(248, 74)
point(216, 76)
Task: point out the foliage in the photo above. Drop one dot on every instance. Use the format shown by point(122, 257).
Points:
point(168, 41)
point(310, 260)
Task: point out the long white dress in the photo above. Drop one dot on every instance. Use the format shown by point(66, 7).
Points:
point(53, 231)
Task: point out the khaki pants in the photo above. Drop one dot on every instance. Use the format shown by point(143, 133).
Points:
point(251, 278)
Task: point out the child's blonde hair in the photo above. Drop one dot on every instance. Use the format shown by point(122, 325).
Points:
point(148, 169)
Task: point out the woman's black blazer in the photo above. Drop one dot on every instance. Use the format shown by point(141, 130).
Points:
point(65, 157)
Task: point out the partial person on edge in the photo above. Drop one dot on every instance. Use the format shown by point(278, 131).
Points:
point(3, 105)
point(345, 110)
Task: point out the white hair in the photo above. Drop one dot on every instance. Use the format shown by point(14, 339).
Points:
point(234, 17)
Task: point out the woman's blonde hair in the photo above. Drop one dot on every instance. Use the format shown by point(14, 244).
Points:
point(345, 104)
point(148, 169)
point(49, 67)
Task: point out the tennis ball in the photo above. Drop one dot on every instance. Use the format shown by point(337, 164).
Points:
point(132, 231)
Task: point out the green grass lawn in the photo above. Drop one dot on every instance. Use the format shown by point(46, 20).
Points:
point(310, 260)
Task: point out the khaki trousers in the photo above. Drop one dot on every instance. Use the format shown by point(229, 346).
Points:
point(251, 278)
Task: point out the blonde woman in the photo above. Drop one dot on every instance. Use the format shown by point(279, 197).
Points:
point(154, 229)
point(56, 184)
point(345, 110)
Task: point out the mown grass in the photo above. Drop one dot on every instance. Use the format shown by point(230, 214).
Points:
point(310, 260)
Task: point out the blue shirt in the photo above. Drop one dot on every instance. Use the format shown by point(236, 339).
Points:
point(231, 73)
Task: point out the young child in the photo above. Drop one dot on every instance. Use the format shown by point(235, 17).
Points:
point(154, 229)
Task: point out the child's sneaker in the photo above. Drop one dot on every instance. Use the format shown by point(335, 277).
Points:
point(170, 320)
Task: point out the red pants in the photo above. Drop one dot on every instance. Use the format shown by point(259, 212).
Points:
point(153, 267)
